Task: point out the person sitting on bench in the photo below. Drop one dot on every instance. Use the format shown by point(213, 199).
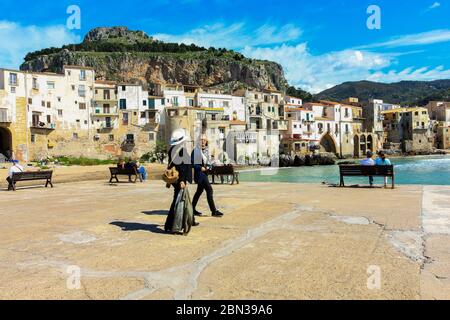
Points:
point(368, 161)
point(16, 167)
point(382, 161)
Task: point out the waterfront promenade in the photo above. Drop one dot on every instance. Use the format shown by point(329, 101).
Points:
point(276, 241)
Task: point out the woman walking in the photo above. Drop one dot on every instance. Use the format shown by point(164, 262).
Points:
point(179, 158)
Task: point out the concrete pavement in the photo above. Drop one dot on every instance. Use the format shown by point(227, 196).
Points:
point(276, 241)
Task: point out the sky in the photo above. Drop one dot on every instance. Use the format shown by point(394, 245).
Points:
point(319, 43)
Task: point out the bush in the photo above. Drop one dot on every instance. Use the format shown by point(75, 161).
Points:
point(158, 154)
point(82, 161)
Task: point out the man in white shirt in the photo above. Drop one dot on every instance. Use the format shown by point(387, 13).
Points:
point(16, 167)
point(368, 161)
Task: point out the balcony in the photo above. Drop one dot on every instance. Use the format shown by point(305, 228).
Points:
point(43, 125)
point(105, 113)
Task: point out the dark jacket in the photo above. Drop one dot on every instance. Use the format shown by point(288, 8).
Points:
point(184, 168)
point(197, 161)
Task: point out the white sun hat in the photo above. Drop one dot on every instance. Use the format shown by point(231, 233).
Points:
point(178, 136)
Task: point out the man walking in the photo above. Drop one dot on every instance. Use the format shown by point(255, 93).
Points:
point(200, 159)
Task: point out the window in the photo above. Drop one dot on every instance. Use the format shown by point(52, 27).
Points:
point(60, 113)
point(106, 95)
point(43, 103)
point(346, 113)
point(82, 75)
point(74, 136)
point(35, 83)
point(151, 136)
point(213, 117)
point(163, 102)
point(73, 87)
point(143, 115)
point(13, 89)
point(144, 103)
point(346, 129)
point(124, 88)
point(125, 119)
point(111, 137)
point(416, 113)
point(226, 104)
point(82, 106)
point(49, 118)
point(222, 130)
point(35, 120)
point(336, 128)
point(191, 102)
point(69, 73)
point(130, 138)
point(49, 104)
point(13, 79)
point(82, 90)
point(59, 99)
point(33, 138)
point(211, 104)
point(175, 101)
point(212, 131)
point(50, 85)
point(123, 104)
point(30, 101)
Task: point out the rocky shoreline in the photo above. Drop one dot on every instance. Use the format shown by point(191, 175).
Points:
point(322, 159)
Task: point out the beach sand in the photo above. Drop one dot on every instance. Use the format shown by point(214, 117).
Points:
point(276, 241)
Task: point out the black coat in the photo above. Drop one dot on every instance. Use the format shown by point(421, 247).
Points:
point(182, 162)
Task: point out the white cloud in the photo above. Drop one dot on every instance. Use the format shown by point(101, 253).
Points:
point(235, 36)
point(424, 38)
point(17, 40)
point(434, 6)
point(422, 74)
point(319, 72)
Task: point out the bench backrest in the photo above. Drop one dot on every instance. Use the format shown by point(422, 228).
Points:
point(228, 169)
point(358, 170)
point(115, 170)
point(37, 175)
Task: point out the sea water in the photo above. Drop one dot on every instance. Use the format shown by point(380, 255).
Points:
point(424, 170)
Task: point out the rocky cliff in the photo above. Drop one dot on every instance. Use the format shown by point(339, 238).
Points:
point(132, 56)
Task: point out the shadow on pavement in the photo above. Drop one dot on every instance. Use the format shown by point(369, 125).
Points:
point(133, 226)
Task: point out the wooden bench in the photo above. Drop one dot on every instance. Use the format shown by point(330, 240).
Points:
point(224, 171)
point(130, 172)
point(352, 170)
point(31, 176)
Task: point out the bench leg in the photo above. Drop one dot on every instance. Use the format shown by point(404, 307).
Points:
point(342, 184)
point(393, 185)
point(237, 178)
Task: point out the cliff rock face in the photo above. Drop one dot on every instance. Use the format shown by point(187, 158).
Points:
point(200, 67)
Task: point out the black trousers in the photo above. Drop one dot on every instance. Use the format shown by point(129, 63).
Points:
point(204, 185)
point(171, 216)
point(10, 183)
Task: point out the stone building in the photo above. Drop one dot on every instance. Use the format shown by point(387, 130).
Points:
point(410, 128)
point(439, 112)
